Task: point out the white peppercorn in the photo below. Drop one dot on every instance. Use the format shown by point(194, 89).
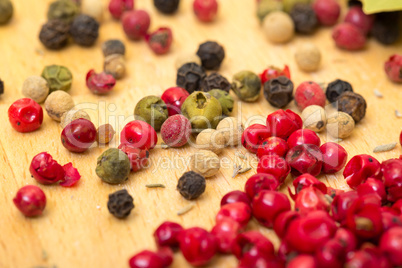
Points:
point(210, 139)
point(308, 57)
point(57, 103)
point(340, 125)
point(205, 163)
point(71, 115)
point(314, 118)
point(115, 65)
point(232, 129)
point(36, 88)
point(278, 27)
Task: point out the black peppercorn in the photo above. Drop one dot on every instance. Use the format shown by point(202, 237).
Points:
point(353, 104)
point(6, 11)
point(54, 34)
point(336, 88)
point(211, 55)
point(304, 18)
point(167, 6)
point(1, 87)
point(190, 76)
point(113, 46)
point(215, 81)
point(120, 204)
point(278, 91)
point(84, 30)
point(386, 27)
point(191, 185)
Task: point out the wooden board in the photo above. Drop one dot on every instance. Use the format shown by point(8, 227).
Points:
point(76, 229)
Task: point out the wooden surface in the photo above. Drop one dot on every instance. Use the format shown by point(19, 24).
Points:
point(76, 229)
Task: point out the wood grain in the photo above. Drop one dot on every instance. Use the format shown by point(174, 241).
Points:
point(76, 229)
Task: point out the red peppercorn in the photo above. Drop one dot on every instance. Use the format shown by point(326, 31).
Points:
point(252, 243)
point(138, 158)
point(358, 18)
point(372, 186)
point(78, 135)
point(25, 115)
point(235, 196)
point(397, 206)
point(30, 200)
point(282, 222)
point(261, 261)
point(226, 231)
point(46, 170)
point(361, 167)
point(160, 40)
point(305, 159)
point(174, 98)
point(359, 258)
point(305, 181)
point(309, 93)
point(273, 145)
point(349, 37)
point(334, 157)
point(331, 255)
point(253, 137)
point(283, 123)
point(332, 192)
point(274, 165)
point(303, 261)
point(205, 10)
point(392, 172)
point(267, 205)
point(274, 72)
point(391, 244)
point(100, 83)
point(341, 204)
point(303, 136)
point(197, 245)
point(311, 199)
point(390, 220)
point(118, 7)
point(327, 11)
point(136, 23)
point(393, 69)
point(139, 134)
point(166, 235)
point(259, 182)
point(346, 238)
point(147, 259)
point(239, 212)
point(71, 176)
point(176, 130)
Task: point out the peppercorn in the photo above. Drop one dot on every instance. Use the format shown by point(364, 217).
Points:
point(190, 76)
point(113, 46)
point(72, 115)
point(57, 103)
point(205, 163)
point(153, 110)
point(205, 10)
point(224, 99)
point(266, 6)
point(386, 28)
point(136, 23)
point(6, 11)
point(120, 204)
point(278, 27)
point(278, 91)
point(308, 57)
point(336, 88)
point(215, 81)
point(232, 130)
point(115, 65)
point(1, 87)
point(246, 85)
point(211, 55)
point(314, 118)
point(54, 34)
point(84, 30)
point(104, 134)
point(191, 185)
point(160, 40)
point(64, 10)
point(353, 104)
point(58, 77)
point(93, 8)
point(36, 88)
point(211, 140)
point(340, 125)
point(167, 6)
point(304, 18)
point(113, 166)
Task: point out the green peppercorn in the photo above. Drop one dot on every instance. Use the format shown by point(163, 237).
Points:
point(6, 11)
point(288, 4)
point(225, 100)
point(266, 6)
point(246, 85)
point(203, 111)
point(64, 10)
point(58, 77)
point(152, 110)
point(113, 166)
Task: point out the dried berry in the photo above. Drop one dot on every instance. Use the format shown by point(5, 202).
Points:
point(118, 7)
point(247, 86)
point(391, 243)
point(327, 11)
point(58, 77)
point(174, 98)
point(57, 103)
point(45, 170)
point(115, 65)
point(353, 104)
point(336, 88)
point(283, 123)
point(278, 27)
point(273, 145)
point(305, 158)
point(160, 40)
point(267, 205)
point(232, 129)
point(259, 182)
point(163, 258)
point(100, 83)
point(84, 30)
point(274, 165)
point(191, 185)
point(357, 17)
point(314, 118)
point(211, 55)
point(253, 136)
point(386, 27)
point(340, 125)
point(278, 91)
point(273, 72)
point(113, 46)
point(190, 76)
point(211, 139)
point(152, 110)
point(224, 99)
point(205, 10)
point(36, 88)
point(113, 166)
point(349, 37)
point(167, 6)
point(6, 11)
point(205, 163)
point(120, 204)
point(139, 134)
point(136, 23)
point(304, 18)
point(71, 115)
point(104, 134)
point(78, 135)
point(308, 57)
point(54, 34)
point(64, 10)
point(215, 81)
point(30, 200)
point(138, 158)
point(265, 7)
point(176, 130)
point(25, 115)
point(393, 68)
point(309, 93)
point(303, 136)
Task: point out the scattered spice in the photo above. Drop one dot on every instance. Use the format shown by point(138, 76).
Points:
point(211, 55)
point(78, 135)
point(246, 85)
point(205, 10)
point(176, 130)
point(104, 134)
point(100, 83)
point(64, 10)
point(6, 11)
point(308, 57)
point(167, 6)
point(309, 93)
point(215, 81)
point(118, 7)
point(353, 104)
point(185, 209)
point(190, 76)
point(264, 7)
point(25, 115)
point(278, 91)
point(36, 88)
point(205, 163)
point(236, 170)
point(120, 204)
point(54, 34)
point(225, 99)
point(153, 110)
point(71, 115)
point(232, 129)
point(398, 114)
point(393, 68)
point(191, 185)
point(135, 23)
point(244, 170)
point(211, 140)
point(336, 88)
point(113, 166)
point(58, 77)
point(155, 185)
point(115, 65)
point(314, 118)
point(113, 46)
point(84, 30)
point(160, 40)
point(30, 200)
point(304, 18)
point(57, 103)
point(384, 147)
point(340, 125)
point(377, 93)
point(347, 36)
point(138, 157)
point(278, 27)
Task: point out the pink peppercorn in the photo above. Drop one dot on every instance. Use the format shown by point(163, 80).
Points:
point(259, 182)
point(391, 244)
point(309, 93)
point(136, 23)
point(305, 181)
point(176, 130)
point(25, 115)
point(226, 231)
point(253, 136)
point(282, 222)
point(160, 40)
point(100, 83)
point(205, 10)
point(166, 235)
point(331, 255)
point(311, 199)
point(334, 157)
point(274, 72)
point(303, 260)
point(327, 11)
point(138, 158)
point(71, 175)
point(372, 186)
point(283, 123)
point(252, 243)
point(273, 145)
point(30, 200)
point(78, 135)
point(174, 98)
point(239, 212)
point(46, 170)
point(393, 69)
point(303, 136)
point(358, 18)
point(274, 165)
point(149, 259)
point(118, 7)
point(139, 134)
point(267, 205)
point(305, 159)
point(361, 167)
point(235, 196)
point(349, 37)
